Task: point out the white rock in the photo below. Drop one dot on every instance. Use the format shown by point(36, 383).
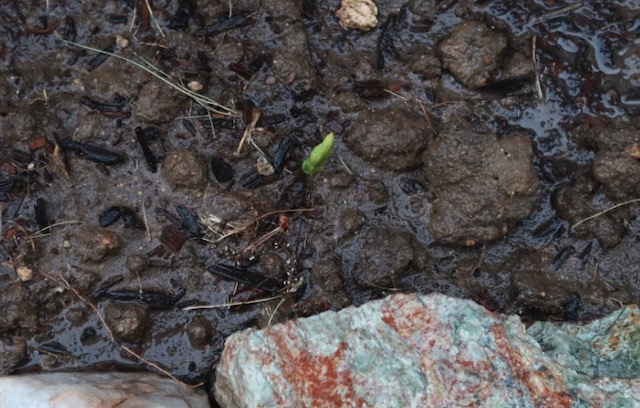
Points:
point(104, 390)
point(358, 14)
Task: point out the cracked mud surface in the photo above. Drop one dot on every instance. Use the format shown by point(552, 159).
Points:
point(452, 170)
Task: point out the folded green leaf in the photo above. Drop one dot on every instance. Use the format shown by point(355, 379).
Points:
point(319, 156)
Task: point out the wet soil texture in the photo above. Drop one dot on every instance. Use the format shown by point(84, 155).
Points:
point(473, 141)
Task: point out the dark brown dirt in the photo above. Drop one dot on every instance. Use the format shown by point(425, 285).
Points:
point(452, 170)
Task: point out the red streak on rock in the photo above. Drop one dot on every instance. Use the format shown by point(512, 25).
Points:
point(545, 387)
point(410, 317)
point(318, 380)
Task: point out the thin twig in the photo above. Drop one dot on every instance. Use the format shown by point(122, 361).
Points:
point(258, 242)
point(259, 149)
point(203, 101)
point(242, 227)
point(635, 200)
point(146, 223)
point(231, 304)
point(40, 233)
point(556, 13)
point(291, 288)
point(426, 115)
point(345, 165)
point(255, 115)
point(535, 67)
point(153, 18)
point(110, 332)
point(133, 19)
point(273, 314)
point(397, 95)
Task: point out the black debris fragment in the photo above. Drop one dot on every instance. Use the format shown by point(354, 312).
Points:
point(143, 136)
point(189, 221)
point(69, 32)
point(572, 308)
point(221, 169)
point(155, 300)
point(248, 277)
point(40, 209)
point(282, 154)
point(225, 24)
point(185, 12)
point(101, 57)
point(113, 214)
point(109, 109)
point(370, 89)
point(92, 152)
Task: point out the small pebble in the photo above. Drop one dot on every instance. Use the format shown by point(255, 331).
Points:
point(122, 42)
point(24, 273)
point(264, 167)
point(195, 86)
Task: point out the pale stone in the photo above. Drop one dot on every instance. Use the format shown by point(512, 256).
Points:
point(358, 14)
point(78, 390)
point(24, 273)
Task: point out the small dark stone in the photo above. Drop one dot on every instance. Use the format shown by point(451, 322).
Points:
point(572, 307)
point(137, 263)
point(128, 321)
point(199, 331)
point(87, 335)
point(110, 216)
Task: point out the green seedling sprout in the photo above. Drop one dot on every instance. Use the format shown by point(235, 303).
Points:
point(319, 156)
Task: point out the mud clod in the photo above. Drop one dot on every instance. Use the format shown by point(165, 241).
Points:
point(483, 183)
point(378, 136)
point(18, 311)
point(473, 53)
point(471, 137)
point(12, 350)
point(93, 244)
point(183, 168)
point(158, 103)
point(377, 256)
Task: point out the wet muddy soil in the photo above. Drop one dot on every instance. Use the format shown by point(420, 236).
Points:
point(473, 142)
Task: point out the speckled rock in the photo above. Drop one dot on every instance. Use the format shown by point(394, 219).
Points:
point(122, 390)
point(413, 350)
